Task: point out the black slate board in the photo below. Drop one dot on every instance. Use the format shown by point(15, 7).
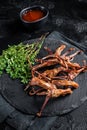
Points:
point(12, 90)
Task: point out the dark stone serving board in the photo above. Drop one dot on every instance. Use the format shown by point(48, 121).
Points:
point(13, 90)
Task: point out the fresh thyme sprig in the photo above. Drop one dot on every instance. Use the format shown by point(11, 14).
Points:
point(14, 59)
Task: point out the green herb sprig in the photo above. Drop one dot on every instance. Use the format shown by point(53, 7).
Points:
point(14, 60)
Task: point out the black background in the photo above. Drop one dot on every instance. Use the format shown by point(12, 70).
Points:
point(69, 18)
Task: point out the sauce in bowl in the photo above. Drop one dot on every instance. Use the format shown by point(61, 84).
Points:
point(33, 15)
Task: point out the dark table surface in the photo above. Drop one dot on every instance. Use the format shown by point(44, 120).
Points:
point(67, 17)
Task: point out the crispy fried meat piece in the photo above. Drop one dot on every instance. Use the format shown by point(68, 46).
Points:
point(55, 93)
point(56, 61)
point(39, 82)
point(52, 91)
point(70, 57)
point(53, 72)
point(57, 52)
point(74, 73)
point(65, 82)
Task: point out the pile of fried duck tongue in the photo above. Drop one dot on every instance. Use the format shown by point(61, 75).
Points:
point(54, 74)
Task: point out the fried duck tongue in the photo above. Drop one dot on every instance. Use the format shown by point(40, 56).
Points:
point(45, 64)
point(65, 82)
point(70, 57)
point(55, 93)
point(74, 73)
point(57, 52)
point(43, 84)
point(67, 52)
point(61, 92)
point(55, 61)
point(53, 72)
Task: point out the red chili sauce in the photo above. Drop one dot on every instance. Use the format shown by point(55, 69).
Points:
point(32, 15)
